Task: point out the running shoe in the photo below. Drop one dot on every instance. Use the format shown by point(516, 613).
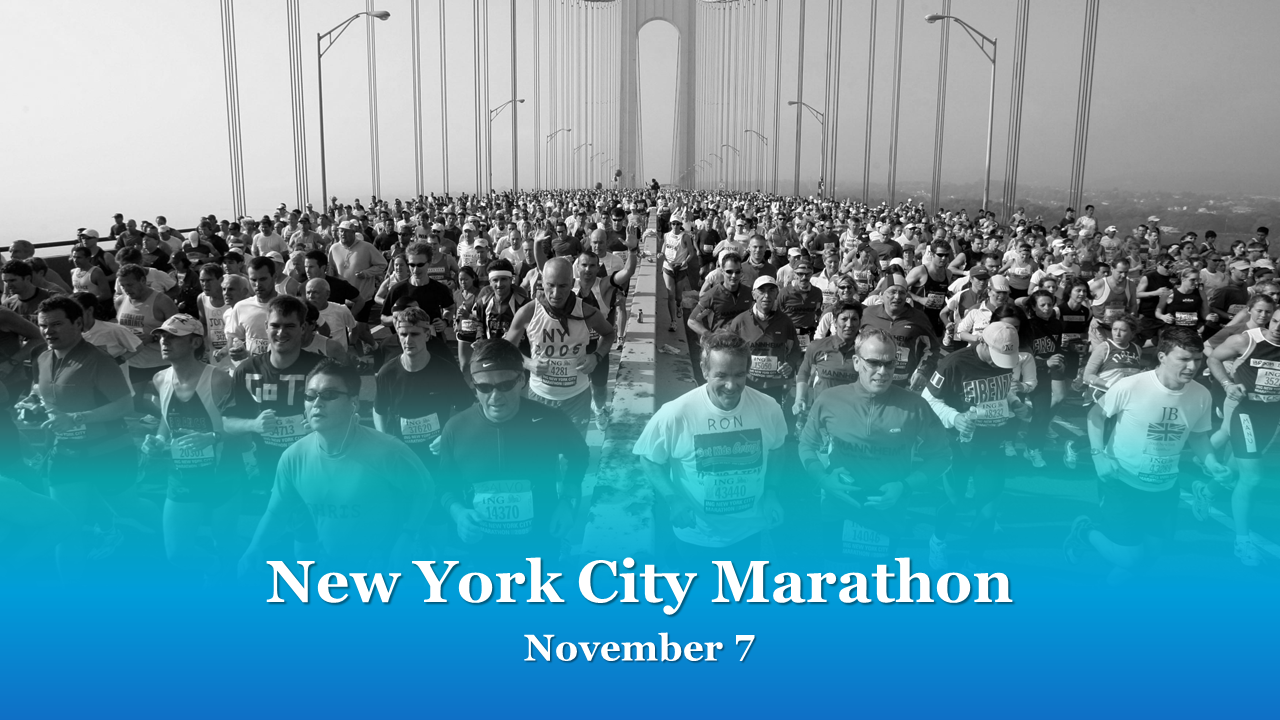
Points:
point(602, 419)
point(1201, 500)
point(1248, 553)
point(1070, 457)
point(937, 553)
point(103, 543)
point(1009, 449)
point(1036, 458)
point(1078, 539)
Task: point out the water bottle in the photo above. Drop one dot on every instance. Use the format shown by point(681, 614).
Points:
point(949, 337)
point(967, 435)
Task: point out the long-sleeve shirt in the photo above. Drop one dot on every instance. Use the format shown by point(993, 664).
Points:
point(876, 439)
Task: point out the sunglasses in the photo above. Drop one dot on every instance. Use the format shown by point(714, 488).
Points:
point(504, 386)
point(416, 265)
point(325, 395)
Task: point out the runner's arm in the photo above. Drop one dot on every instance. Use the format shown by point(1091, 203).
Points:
point(520, 323)
point(1094, 364)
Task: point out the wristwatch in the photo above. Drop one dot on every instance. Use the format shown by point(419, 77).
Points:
point(1096, 451)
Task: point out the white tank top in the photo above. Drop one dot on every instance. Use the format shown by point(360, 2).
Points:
point(563, 348)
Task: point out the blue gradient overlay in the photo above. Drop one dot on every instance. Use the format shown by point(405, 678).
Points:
point(1060, 649)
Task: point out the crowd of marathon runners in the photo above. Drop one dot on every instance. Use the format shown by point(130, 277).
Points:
point(381, 382)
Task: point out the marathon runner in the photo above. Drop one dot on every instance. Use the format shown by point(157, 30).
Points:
point(973, 391)
point(885, 442)
point(713, 456)
point(677, 261)
point(829, 362)
point(558, 329)
point(205, 474)
point(246, 322)
point(1247, 366)
point(912, 332)
point(605, 292)
point(501, 460)
point(363, 494)
point(1156, 414)
point(267, 401)
point(416, 392)
point(85, 395)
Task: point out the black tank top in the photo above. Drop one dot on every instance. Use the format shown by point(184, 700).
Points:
point(190, 416)
point(1185, 308)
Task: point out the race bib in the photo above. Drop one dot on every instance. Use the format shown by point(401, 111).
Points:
point(285, 431)
point(861, 541)
point(727, 495)
point(804, 340)
point(468, 325)
point(415, 431)
point(994, 412)
point(189, 459)
point(904, 356)
point(561, 372)
point(217, 334)
point(1158, 469)
point(669, 252)
point(1234, 309)
point(934, 300)
point(1186, 319)
point(76, 432)
point(505, 506)
point(764, 365)
point(258, 346)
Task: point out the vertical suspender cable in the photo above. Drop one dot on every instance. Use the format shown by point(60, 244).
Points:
point(940, 113)
point(833, 119)
point(444, 105)
point(799, 94)
point(229, 82)
point(826, 97)
point(777, 94)
point(479, 114)
point(415, 53)
point(372, 48)
point(871, 94)
point(515, 146)
point(537, 94)
point(897, 103)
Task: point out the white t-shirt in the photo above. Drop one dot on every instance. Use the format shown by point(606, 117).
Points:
point(247, 322)
point(718, 460)
point(340, 322)
point(113, 338)
point(1153, 426)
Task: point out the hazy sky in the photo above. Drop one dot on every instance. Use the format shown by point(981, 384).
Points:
point(118, 106)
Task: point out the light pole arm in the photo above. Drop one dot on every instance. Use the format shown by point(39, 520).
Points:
point(974, 34)
point(762, 138)
point(816, 113)
point(339, 29)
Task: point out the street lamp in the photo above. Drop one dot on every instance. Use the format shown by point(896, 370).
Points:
point(822, 122)
point(764, 140)
point(321, 49)
point(547, 152)
point(573, 157)
point(488, 142)
point(981, 41)
point(738, 181)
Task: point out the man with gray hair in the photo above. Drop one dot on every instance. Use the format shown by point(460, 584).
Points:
point(885, 442)
point(337, 318)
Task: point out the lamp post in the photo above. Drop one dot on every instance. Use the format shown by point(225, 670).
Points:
point(574, 155)
point(721, 173)
point(981, 41)
point(488, 142)
point(764, 140)
point(822, 123)
point(551, 137)
point(737, 182)
point(321, 49)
